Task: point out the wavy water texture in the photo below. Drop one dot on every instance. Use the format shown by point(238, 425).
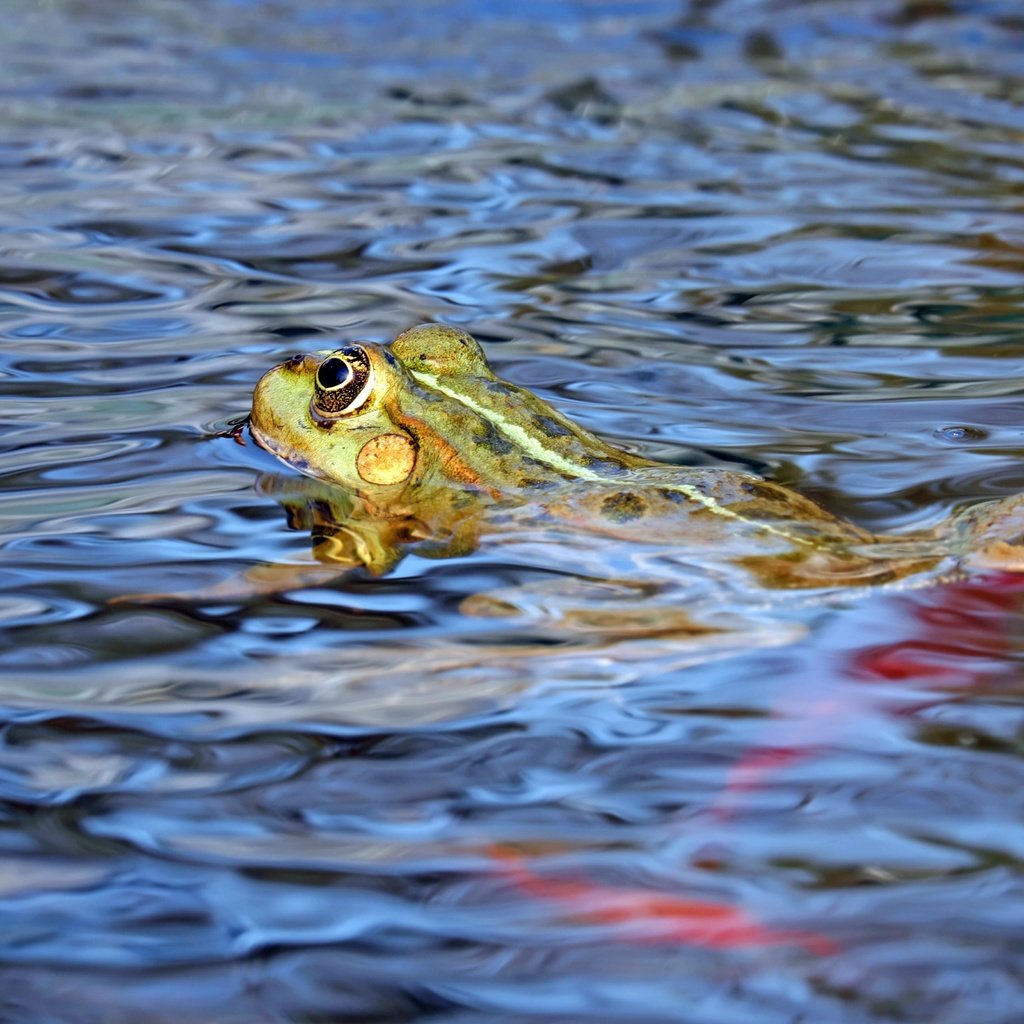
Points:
point(780, 236)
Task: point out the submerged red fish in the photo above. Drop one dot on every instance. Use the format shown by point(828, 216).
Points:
point(653, 917)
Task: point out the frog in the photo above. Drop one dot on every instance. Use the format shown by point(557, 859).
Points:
point(418, 445)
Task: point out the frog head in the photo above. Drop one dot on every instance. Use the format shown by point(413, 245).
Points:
point(425, 411)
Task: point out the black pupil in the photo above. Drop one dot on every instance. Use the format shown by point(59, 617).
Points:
point(332, 372)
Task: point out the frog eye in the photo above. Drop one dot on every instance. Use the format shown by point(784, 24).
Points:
point(333, 373)
point(344, 381)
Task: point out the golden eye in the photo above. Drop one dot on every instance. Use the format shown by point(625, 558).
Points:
point(344, 381)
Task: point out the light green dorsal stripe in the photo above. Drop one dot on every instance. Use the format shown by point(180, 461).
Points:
point(521, 438)
point(535, 448)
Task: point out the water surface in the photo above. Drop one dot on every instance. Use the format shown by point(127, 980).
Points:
point(786, 236)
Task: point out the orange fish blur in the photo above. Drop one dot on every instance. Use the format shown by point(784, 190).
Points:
point(962, 627)
point(961, 636)
point(653, 917)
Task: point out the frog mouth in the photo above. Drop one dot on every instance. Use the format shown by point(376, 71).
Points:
point(262, 440)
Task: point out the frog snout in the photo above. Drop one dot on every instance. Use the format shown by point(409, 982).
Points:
point(281, 395)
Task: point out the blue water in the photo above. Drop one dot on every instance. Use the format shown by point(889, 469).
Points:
point(785, 236)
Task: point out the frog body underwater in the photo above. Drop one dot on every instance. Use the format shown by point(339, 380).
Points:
point(435, 453)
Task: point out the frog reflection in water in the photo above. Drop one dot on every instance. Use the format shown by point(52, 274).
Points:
point(422, 448)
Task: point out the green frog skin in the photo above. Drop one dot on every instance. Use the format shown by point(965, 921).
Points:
point(419, 445)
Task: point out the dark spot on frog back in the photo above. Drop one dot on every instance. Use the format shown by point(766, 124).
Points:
point(764, 498)
point(492, 385)
point(604, 464)
point(759, 489)
point(530, 483)
point(490, 438)
point(550, 427)
point(675, 497)
point(623, 507)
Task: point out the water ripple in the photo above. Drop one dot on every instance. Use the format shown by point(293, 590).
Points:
point(775, 236)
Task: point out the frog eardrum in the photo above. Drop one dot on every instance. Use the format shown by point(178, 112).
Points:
point(343, 383)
